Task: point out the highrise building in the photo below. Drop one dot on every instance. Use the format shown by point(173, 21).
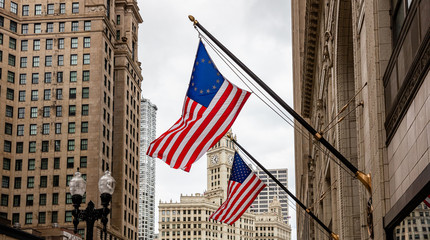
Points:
point(189, 218)
point(361, 78)
point(69, 98)
point(148, 114)
point(261, 203)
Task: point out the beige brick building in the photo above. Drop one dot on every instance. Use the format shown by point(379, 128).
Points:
point(69, 98)
point(375, 56)
point(188, 219)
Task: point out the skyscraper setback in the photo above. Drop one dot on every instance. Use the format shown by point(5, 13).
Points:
point(69, 89)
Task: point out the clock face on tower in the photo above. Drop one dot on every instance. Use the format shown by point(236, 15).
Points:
point(230, 159)
point(214, 159)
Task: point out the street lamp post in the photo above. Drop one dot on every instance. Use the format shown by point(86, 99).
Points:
point(91, 214)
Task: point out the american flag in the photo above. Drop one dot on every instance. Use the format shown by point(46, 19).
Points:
point(211, 106)
point(243, 187)
point(427, 201)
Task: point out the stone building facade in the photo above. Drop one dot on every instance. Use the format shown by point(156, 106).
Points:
point(188, 219)
point(69, 98)
point(372, 57)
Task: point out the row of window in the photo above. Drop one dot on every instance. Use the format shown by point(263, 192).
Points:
point(45, 146)
point(42, 217)
point(31, 181)
point(49, 43)
point(46, 112)
point(73, 77)
point(44, 163)
point(48, 60)
point(45, 128)
point(49, 28)
point(10, 95)
point(50, 8)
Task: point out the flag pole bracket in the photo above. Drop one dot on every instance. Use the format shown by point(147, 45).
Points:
point(366, 179)
point(335, 236)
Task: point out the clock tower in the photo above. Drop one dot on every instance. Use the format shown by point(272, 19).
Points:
point(220, 161)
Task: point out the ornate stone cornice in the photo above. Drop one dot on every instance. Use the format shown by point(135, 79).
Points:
point(310, 50)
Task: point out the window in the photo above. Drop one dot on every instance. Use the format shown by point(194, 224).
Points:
point(72, 93)
point(48, 61)
point(83, 162)
point(32, 147)
point(4, 200)
point(1, 19)
point(38, 9)
point(59, 111)
point(43, 181)
point(45, 146)
point(73, 59)
point(28, 218)
point(54, 198)
point(8, 129)
point(19, 147)
point(21, 113)
point(9, 111)
point(75, 7)
point(11, 60)
point(85, 110)
point(50, 27)
point(56, 163)
point(62, 8)
point(74, 43)
point(10, 77)
point(31, 164)
point(85, 92)
point(10, 94)
point(70, 162)
point(29, 198)
point(118, 34)
point(73, 76)
point(59, 77)
point(36, 45)
point(68, 216)
point(61, 26)
point(44, 164)
point(23, 62)
point(48, 77)
point(34, 95)
point(17, 183)
point(42, 199)
point(5, 182)
point(20, 130)
point(60, 63)
point(72, 110)
point(16, 200)
point(1, 3)
point(68, 198)
point(85, 76)
point(24, 45)
point(12, 43)
point(7, 146)
point(45, 129)
point(22, 79)
point(86, 58)
point(56, 181)
point(25, 10)
point(84, 127)
point(118, 19)
point(75, 26)
point(13, 26)
point(47, 94)
point(87, 25)
point(6, 164)
point(61, 43)
point(57, 146)
point(36, 61)
point(84, 144)
point(14, 7)
point(24, 29)
point(50, 8)
point(21, 96)
point(30, 184)
point(87, 42)
point(33, 129)
point(59, 93)
point(57, 128)
point(49, 44)
point(35, 78)
point(33, 112)
point(37, 28)
point(70, 145)
point(72, 127)
point(18, 165)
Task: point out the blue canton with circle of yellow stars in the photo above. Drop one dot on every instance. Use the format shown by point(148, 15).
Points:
point(205, 79)
point(240, 171)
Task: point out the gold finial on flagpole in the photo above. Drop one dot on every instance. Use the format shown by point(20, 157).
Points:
point(192, 19)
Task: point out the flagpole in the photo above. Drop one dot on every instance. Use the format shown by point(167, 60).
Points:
point(308, 211)
point(364, 178)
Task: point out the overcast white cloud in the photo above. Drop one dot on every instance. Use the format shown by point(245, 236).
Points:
point(257, 32)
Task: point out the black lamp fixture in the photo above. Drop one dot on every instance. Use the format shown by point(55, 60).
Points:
point(91, 214)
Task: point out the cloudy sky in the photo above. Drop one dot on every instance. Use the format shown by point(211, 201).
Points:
point(259, 33)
